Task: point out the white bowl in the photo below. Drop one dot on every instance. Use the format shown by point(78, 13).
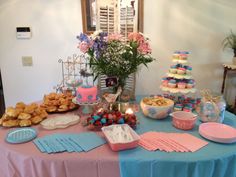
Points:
point(157, 112)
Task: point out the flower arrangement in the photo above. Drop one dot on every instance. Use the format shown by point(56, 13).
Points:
point(111, 55)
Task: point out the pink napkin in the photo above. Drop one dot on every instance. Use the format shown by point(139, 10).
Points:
point(171, 142)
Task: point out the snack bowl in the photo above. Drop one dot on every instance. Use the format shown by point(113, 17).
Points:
point(155, 111)
point(120, 137)
point(73, 82)
point(183, 120)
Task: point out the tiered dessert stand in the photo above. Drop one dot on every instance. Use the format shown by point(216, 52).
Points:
point(185, 76)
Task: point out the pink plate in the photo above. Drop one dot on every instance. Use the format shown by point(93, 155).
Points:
point(218, 132)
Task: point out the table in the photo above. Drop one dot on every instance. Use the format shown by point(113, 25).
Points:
point(25, 160)
point(214, 160)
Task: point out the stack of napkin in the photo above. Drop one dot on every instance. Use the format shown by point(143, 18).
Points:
point(69, 142)
point(171, 142)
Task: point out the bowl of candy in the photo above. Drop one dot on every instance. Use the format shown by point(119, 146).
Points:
point(74, 82)
point(183, 120)
point(156, 107)
point(105, 118)
point(121, 137)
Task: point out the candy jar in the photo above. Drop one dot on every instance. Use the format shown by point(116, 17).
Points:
point(212, 107)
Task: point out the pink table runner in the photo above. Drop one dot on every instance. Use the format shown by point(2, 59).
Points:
point(25, 160)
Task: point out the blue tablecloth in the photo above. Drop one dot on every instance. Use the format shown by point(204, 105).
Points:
point(213, 160)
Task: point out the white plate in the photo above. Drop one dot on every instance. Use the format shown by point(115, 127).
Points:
point(62, 121)
point(218, 132)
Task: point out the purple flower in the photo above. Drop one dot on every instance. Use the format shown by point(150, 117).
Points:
point(83, 37)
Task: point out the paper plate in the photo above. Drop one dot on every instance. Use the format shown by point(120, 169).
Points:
point(218, 132)
point(21, 135)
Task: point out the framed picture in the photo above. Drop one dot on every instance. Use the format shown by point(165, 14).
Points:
point(89, 15)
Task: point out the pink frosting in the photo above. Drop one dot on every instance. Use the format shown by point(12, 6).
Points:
point(86, 94)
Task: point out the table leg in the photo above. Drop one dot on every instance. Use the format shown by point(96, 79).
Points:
point(224, 76)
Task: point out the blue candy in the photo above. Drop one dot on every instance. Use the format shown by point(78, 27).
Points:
point(121, 121)
point(91, 121)
point(96, 117)
point(103, 121)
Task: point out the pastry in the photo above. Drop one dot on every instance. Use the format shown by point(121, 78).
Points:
point(36, 119)
point(12, 112)
point(11, 123)
point(181, 85)
point(172, 83)
point(43, 115)
point(63, 108)
point(25, 123)
point(51, 109)
point(181, 71)
point(58, 102)
point(24, 116)
point(20, 105)
point(29, 109)
point(173, 69)
point(188, 70)
point(72, 106)
point(190, 84)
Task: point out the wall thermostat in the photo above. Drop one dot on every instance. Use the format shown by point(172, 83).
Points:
point(23, 33)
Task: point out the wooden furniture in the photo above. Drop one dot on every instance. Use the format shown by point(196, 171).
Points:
point(228, 67)
point(2, 102)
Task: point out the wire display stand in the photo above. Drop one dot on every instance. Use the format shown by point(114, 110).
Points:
point(75, 71)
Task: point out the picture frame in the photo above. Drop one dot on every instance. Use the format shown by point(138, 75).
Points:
point(88, 10)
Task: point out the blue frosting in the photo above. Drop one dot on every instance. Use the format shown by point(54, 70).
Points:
point(172, 81)
point(86, 86)
point(90, 97)
point(79, 96)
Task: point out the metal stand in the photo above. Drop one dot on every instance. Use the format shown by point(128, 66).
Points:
point(87, 107)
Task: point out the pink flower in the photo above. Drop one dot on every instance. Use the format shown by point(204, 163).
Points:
point(114, 37)
point(136, 37)
point(83, 46)
point(144, 48)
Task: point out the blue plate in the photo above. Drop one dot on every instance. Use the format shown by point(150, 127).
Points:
point(21, 135)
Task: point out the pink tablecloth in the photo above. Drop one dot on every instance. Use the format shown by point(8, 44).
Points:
point(25, 160)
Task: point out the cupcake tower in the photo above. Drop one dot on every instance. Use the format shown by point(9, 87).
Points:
point(179, 78)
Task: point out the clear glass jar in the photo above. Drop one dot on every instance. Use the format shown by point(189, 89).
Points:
point(211, 111)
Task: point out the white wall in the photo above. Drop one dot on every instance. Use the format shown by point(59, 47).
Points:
point(54, 25)
point(198, 26)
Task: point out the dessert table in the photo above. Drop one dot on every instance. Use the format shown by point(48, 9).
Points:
point(213, 160)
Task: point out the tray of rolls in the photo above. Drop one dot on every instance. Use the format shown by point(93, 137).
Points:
point(23, 115)
point(58, 103)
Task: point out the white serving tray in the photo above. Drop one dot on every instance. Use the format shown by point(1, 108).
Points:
point(61, 121)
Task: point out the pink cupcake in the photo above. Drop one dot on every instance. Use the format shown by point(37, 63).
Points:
point(173, 69)
point(181, 85)
point(183, 56)
point(165, 83)
point(190, 84)
point(181, 71)
point(172, 83)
